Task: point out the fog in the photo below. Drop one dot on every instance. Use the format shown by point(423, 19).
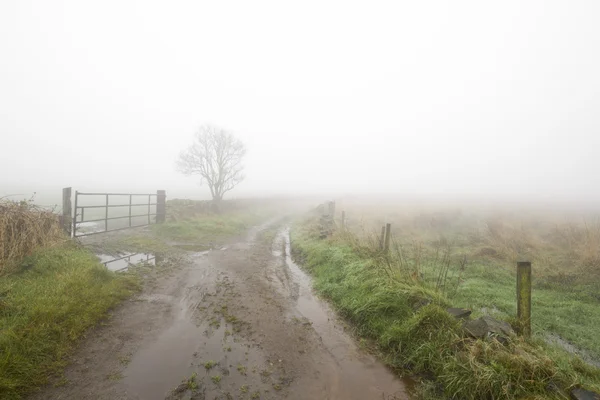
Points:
point(476, 99)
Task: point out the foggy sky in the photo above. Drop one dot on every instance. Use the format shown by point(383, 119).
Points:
point(439, 97)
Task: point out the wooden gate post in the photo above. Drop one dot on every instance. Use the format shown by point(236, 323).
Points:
point(524, 296)
point(67, 211)
point(161, 208)
point(343, 220)
point(388, 230)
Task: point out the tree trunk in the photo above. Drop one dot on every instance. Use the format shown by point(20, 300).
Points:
point(216, 204)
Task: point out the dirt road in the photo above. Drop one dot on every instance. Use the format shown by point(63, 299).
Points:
point(240, 322)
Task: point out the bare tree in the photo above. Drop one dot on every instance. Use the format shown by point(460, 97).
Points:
point(216, 155)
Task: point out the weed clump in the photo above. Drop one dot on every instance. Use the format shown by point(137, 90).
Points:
point(24, 228)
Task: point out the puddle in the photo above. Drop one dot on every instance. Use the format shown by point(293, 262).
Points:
point(154, 370)
point(556, 340)
point(357, 374)
point(90, 227)
point(123, 261)
point(184, 349)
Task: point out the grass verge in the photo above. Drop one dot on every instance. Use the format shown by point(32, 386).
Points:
point(46, 308)
point(427, 341)
point(207, 228)
point(571, 312)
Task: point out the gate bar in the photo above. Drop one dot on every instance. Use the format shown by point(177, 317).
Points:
point(119, 205)
point(117, 194)
point(111, 218)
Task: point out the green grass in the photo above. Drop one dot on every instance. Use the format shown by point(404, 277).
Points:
point(210, 364)
point(428, 340)
point(572, 313)
point(46, 308)
point(191, 383)
point(207, 228)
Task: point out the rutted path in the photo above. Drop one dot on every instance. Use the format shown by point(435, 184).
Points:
point(235, 323)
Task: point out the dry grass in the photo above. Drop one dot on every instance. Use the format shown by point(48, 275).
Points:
point(561, 242)
point(25, 228)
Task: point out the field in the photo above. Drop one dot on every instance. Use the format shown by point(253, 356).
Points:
point(464, 255)
point(480, 247)
point(441, 255)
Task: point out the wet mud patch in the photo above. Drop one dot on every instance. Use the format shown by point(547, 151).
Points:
point(193, 247)
point(224, 363)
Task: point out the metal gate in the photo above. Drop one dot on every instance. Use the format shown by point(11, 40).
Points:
point(153, 205)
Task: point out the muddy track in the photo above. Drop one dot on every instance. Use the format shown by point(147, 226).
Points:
point(236, 323)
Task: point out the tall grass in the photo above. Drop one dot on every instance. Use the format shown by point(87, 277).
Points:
point(25, 228)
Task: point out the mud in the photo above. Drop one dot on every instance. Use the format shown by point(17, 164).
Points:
point(237, 322)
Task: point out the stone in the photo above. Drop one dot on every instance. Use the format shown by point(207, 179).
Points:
point(484, 327)
point(420, 302)
point(582, 394)
point(459, 313)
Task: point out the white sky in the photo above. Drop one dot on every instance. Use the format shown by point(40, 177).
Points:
point(423, 97)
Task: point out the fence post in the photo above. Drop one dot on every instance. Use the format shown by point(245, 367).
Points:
point(75, 216)
point(130, 199)
point(388, 229)
point(161, 209)
point(524, 296)
point(382, 238)
point(343, 220)
point(106, 215)
point(66, 218)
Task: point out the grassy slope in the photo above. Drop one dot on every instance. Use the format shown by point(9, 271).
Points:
point(46, 308)
point(429, 341)
point(209, 228)
point(571, 312)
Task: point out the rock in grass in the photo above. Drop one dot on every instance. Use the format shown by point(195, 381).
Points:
point(459, 313)
point(582, 394)
point(484, 327)
point(420, 303)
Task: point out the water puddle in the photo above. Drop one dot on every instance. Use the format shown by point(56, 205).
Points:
point(185, 348)
point(122, 261)
point(357, 374)
point(154, 370)
point(90, 227)
point(556, 340)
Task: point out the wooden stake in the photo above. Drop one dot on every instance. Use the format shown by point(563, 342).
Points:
point(524, 296)
point(67, 219)
point(388, 229)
